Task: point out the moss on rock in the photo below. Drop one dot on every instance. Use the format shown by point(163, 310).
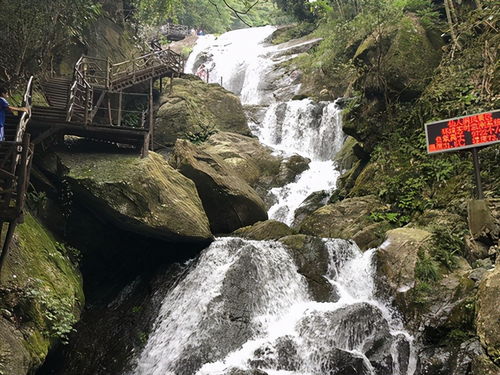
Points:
point(488, 317)
point(346, 219)
point(146, 196)
point(197, 108)
point(265, 230)
point(41, 297)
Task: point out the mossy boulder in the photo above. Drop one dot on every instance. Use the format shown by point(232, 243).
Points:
point(313, 202)
point(247, 156)
point(398, 256)
point(347, 219)
point(408, 58)
point(41, 297)
point(488, 317)
point(230, 203)
point(197, 108)
point(435, 300)
point(265, 230)
point(310, 254)
point(146, 196)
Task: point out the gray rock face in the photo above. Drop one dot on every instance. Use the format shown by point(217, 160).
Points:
point(229, 202)
point(313, 202)
point(311, 257)
point(359, 327)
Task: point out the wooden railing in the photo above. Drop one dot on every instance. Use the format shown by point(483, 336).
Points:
point(25, 117)
point(94, 73)
point(175, 30)
point(81, 95)
point(151, 61)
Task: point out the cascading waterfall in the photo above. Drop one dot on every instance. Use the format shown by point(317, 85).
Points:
point(244, 305)
point(279, 329)
point(245, 65)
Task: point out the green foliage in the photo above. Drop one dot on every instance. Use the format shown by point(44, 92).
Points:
point(426, 269)
point(37, 201)
point(57, 311)
point(394, 218)
point(448, 243)
point(200, 136)
point(72, 253)
point(212, 16)
point(36, 33)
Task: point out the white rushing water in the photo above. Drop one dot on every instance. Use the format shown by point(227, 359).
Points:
point(244, 305)
point(246, 65)
point(289, 332)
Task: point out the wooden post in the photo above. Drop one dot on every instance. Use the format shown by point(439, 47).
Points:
point(108, 73)
point(161, 85)
point(110, 115)
point(86, 108)
point(120, 99)
point(6, 244)
point(151, 118)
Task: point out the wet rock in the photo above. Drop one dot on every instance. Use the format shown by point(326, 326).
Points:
point(265, 230)
point(344, 219)
point(482, 224)
point(291, 168)
point(236, 371)
point(450, 360)
point(341, 362)
point(313, 202)
point(311, 257)
point(195, 107)
point(229, 202)
point(246, 293)
point(146, 196)
point(488, 317)
point(346, 158)
point(359, 327)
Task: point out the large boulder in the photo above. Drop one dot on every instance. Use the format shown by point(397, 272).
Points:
point(41, 297)
point(145, 196)
point(265, 231)
point(230, 203)
point(347, 219)
point(251, 160)
point(255, 163)
point(398, 256)
point(311, 256)
point(196, 108)
point(488, 317)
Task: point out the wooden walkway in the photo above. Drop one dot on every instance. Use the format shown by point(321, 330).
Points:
point(91, 104)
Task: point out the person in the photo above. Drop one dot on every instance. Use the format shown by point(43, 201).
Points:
point(4, 106)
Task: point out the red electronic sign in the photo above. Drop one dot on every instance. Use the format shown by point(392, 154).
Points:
point(464, 132)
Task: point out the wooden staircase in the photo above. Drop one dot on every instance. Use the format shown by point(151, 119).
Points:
point(56, 91)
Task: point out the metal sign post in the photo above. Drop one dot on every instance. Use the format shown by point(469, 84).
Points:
point(460, 133)
point(477, 173)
